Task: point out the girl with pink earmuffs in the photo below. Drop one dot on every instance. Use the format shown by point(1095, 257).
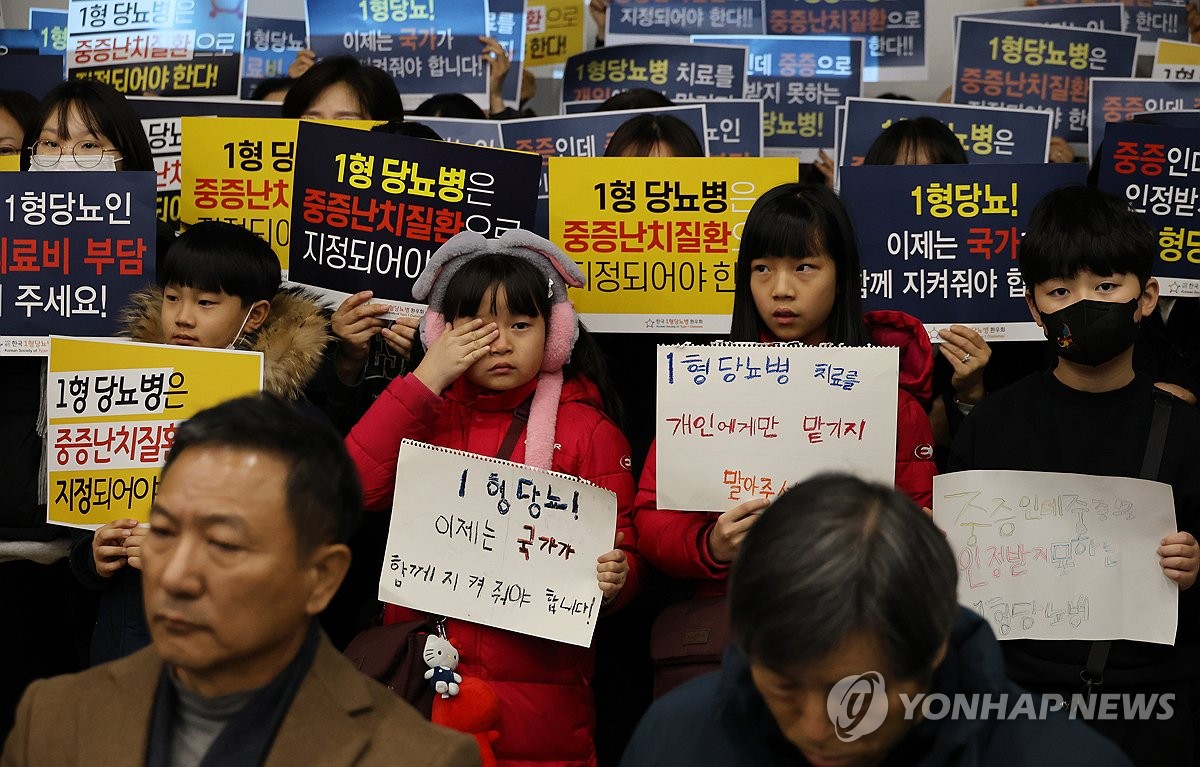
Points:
point(504, 346)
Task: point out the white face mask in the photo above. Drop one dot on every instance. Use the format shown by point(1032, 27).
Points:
point(238, 336)
point(68, 162)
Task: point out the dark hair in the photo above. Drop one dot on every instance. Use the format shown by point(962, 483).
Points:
point(637, 137)
point(525, 293)
point(794, 220)
point(103, 111)
point(269, 86)
point(375, 89)
point(324, 499)
point(22, 106)
point(635, 98)
point(406, 128)
point(450, 105)
point(835, 555)
point(919, 138)
point(222, 258)
point(1076, 228)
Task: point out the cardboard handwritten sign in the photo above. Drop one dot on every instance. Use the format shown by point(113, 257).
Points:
point(941, 241)
point(73, 246)
point(1156, 169)
point(743, 421)
point(657, 237)
point(497, 543)
point(1061, 556)
point(112, 409)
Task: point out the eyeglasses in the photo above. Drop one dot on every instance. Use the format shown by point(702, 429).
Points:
point(88, 154)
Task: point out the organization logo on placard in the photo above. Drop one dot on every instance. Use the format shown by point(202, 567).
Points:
point(857, 705)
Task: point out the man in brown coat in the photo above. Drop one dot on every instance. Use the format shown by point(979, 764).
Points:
point(247, 543)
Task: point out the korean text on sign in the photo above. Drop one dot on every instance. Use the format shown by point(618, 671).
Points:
point(497, 543)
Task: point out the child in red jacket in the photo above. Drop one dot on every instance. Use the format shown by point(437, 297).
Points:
point(797, 279)
point(502, 338)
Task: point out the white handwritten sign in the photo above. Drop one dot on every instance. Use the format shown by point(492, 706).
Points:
point(497, 543)
point(743, 421)
point(1061, 556)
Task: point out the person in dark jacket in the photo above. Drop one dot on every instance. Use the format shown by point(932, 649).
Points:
point(843, 605)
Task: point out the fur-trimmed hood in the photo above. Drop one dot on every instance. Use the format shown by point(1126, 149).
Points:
point(292, 340)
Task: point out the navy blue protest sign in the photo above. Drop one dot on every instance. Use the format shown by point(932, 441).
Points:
point(1103, 16)
point(370, 208)
point(1152, 20)
point(1186, 118)
point(940, 241)
point(1156, 168)
point(35, 74)
point(1116, 99)
point(427, 46)
point(1022, 66)
point(162, 122)
point(51, 28)
point(893, 31)
point(22, 42)
point(578, 135)
point(801, 82)
point(636, 21)
point(73, 246)
point(172, 49)
point(464, 130)
point(988, 135)
point(506, 23)
point(680, 72)
point(270, 48)
point(581, 135)
point(734, 127)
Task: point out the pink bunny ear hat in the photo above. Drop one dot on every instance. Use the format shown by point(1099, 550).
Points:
point(562, 326)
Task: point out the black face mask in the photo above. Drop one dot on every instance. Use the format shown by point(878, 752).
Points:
point(1091, 332)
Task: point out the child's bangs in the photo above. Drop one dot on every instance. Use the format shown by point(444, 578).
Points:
point(784, 233)
point(525, 287)
point(185, 269)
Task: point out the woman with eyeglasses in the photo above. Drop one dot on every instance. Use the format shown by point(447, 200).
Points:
point(86, 125)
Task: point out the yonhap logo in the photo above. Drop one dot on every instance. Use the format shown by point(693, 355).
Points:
point(857, 705)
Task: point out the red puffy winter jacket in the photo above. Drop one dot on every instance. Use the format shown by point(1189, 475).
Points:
point(547, 711)
point(676, 542)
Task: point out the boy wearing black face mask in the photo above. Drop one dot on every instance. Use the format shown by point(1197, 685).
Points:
point(1086, 261)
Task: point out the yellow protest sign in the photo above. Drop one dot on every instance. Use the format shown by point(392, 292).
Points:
point(553, 31)
point(239, 169)
point(1174, 60)
point(657, 237)
point(10, 162)
point(112, 407)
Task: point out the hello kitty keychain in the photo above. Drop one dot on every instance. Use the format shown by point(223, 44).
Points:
point(442, 659)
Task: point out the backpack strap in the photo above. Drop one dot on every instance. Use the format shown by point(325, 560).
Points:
point(520, 418)
point(1093, 673)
